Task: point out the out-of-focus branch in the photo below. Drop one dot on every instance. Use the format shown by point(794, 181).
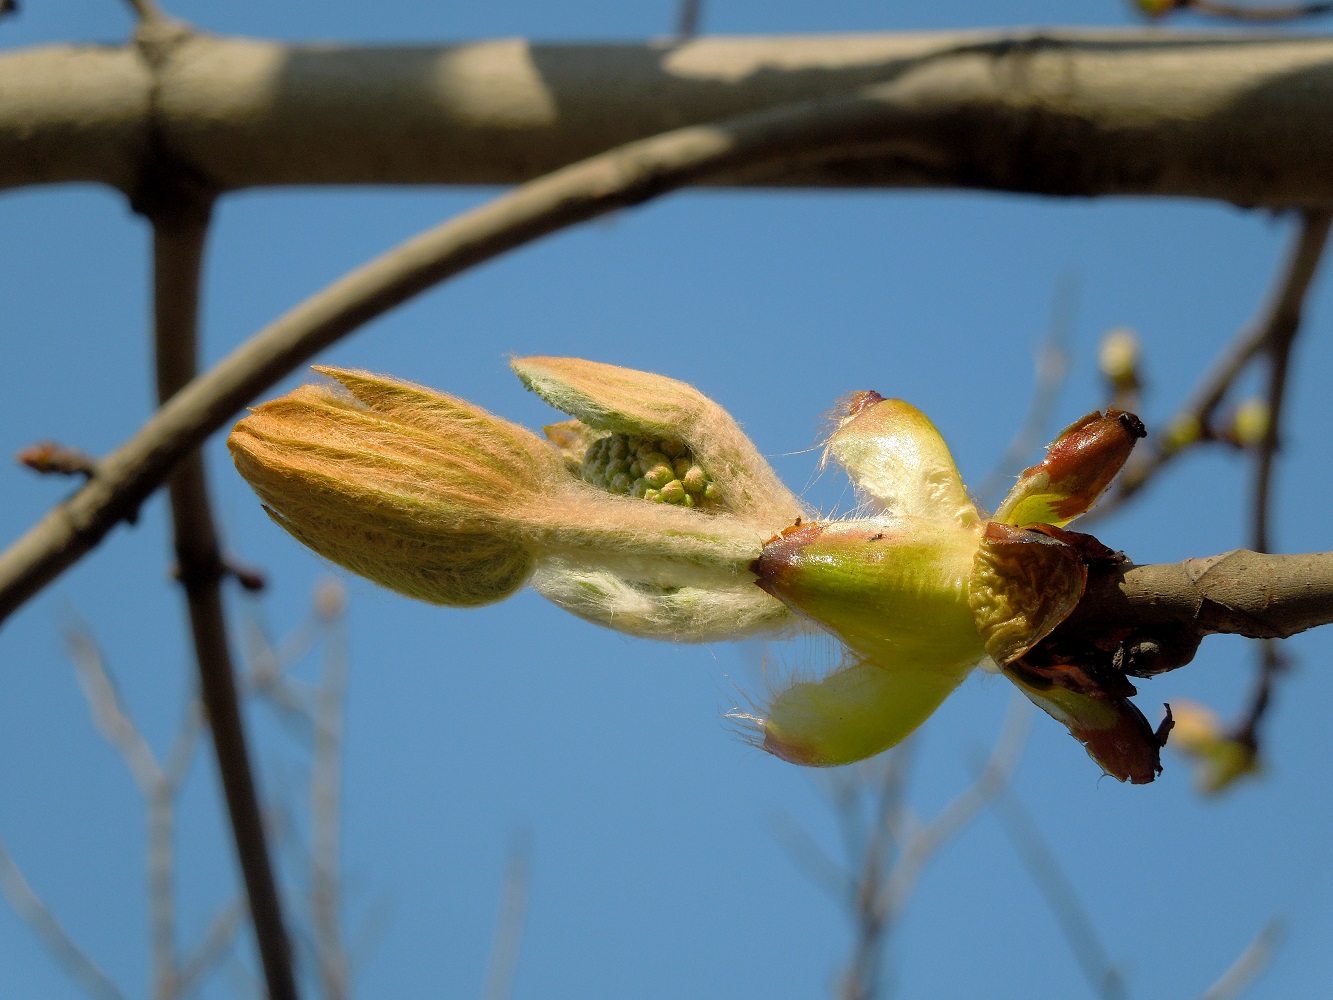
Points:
point(145, 10)
point(993, 777)
point(1247, 966)
point(180, 229)
point(509, 924)
point(37, 915)
point(889, 856)
point(1314, 233)
point(326, 809)
point(1277, 344)
point(108, 713)
point(687, 19)
point(1060, 894)
point(213, 948)
point(1273, 330)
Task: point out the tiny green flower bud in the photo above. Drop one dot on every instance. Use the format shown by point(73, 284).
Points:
point(665, 412)
point(673, 492)
point(659, 475)
point(694, 479)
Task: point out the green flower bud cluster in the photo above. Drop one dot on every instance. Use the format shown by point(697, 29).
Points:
point(661, 471)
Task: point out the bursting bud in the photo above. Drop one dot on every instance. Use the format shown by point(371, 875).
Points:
point(652, 513)
point(922, 589)
point(439, 500)
point(1078, 467)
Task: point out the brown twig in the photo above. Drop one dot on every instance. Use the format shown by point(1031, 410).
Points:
point(159, 794)
point(180, 229)
point(1277, 323)
point(1278, 347)
point(37, 915)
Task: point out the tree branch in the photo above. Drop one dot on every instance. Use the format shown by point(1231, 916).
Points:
point(625, 176)
point(1273, 330)
point(1237, 593)
point(1240, 118)
point(180, 229)
point(37, 915)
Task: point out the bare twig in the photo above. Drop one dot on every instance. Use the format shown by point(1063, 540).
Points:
point(992, 778)
point(1052, 368)
point(627, 175)
point(509, 924)
point(1281, 336)
point(37, 915)
point(1103, 977)
point(216, 943)
point(180, 229)
point(1276, 324)
point(897, 848)
point(1248, 964)
point(108, 713)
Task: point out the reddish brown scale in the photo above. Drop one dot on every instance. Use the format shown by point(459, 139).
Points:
point(1086, 457)
point(782, 551)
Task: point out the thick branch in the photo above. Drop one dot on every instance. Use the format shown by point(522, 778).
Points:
point(1238, 118)
point(1238, 593)
point(179, 234)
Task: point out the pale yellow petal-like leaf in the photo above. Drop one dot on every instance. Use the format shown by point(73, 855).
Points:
point(895, 456)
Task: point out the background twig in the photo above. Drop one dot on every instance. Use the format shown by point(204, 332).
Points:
point(180, 230)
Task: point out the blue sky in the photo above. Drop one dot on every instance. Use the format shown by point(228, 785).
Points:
point(656, 868)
